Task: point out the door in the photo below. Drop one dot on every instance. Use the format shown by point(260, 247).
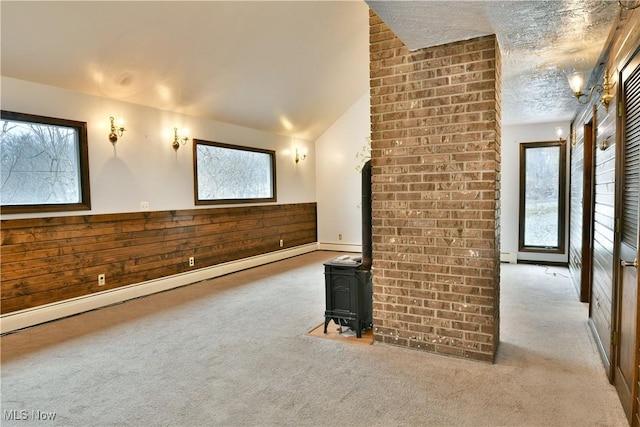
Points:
point(626, 361)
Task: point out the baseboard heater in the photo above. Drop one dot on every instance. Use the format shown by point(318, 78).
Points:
point(509, 257)
point(33, 316)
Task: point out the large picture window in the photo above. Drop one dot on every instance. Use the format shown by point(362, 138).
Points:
point(226, 173)
point(542, 197)
point(45, 164)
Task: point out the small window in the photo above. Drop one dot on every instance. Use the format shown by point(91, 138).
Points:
point(226, 173)
point(45, 164)
point(542, 200)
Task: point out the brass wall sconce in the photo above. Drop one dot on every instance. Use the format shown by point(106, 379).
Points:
point(559, 133)
point(624, 6)
point(576, 82)
point(178, 140)
point(116, 132)
point(299, 156)
point(604, 144)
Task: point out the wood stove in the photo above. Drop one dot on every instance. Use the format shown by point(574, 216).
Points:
point(348, 281)
point(348, 295)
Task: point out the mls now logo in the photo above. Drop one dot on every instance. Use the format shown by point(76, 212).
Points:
point(24, 415)
point(15, 415)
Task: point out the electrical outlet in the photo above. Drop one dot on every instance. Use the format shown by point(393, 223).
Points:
point(101, 279)
point(144, 206)
point(192, 261)
point(340, 236)
point(281, 243)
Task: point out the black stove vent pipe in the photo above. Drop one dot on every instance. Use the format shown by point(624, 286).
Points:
point(367, 250)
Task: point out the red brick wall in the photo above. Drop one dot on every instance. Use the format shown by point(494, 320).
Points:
point(435, 116)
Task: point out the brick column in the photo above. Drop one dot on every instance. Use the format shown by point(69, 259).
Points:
point(435, 116)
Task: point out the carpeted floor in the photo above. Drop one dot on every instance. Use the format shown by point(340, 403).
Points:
point(342, 334)
point(235, 351)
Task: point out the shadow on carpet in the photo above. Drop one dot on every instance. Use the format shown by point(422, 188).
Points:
point(344, 334)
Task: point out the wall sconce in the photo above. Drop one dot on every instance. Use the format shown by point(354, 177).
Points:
point(623, 6)
point(116, 132)
point(576, 82)
point(299, 157)
point(604, 144)
point(559, 133)
point(177, 140)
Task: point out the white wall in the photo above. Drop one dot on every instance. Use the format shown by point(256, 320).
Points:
point(142, 166)
point(338, 182)
point(512, 137)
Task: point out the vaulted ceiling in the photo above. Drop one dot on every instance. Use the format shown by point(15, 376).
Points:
point(285, 67)
point(291, 67)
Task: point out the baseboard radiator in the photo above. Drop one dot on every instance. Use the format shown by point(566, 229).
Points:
point(509, 257)
point(33, 316)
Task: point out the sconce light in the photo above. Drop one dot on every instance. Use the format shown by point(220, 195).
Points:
point(623, 6)
point(177, 140)
point(116, 132)
point(299, 156)
point(604, 144)
point(576, 82)
point(559, 132)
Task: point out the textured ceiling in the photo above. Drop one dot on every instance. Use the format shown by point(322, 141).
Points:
point(541, 42)
point(290, 67)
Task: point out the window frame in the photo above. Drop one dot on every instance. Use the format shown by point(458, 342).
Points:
point(199, 201)
point(562, 179)
point(83, 163)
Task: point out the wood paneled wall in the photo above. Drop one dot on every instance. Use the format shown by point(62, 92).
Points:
point(576, 208)
point(620, 47)
point(603, 229)
point(601, 203)
point(581, 214)
point(47, 260)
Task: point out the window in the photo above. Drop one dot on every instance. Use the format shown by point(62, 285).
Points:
point(45, 164)
point(542, 200)
point(226, 173)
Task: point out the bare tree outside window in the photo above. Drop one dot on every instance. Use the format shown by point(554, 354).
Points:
point(542, 177)
point(231, 174)
point(44, 164)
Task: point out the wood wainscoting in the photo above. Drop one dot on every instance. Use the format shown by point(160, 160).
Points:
point(47, 260)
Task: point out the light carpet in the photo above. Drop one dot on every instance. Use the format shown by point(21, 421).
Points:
point(234, 351)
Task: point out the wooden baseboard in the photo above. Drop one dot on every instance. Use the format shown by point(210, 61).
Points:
point(549, 263)
point(601, 350)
